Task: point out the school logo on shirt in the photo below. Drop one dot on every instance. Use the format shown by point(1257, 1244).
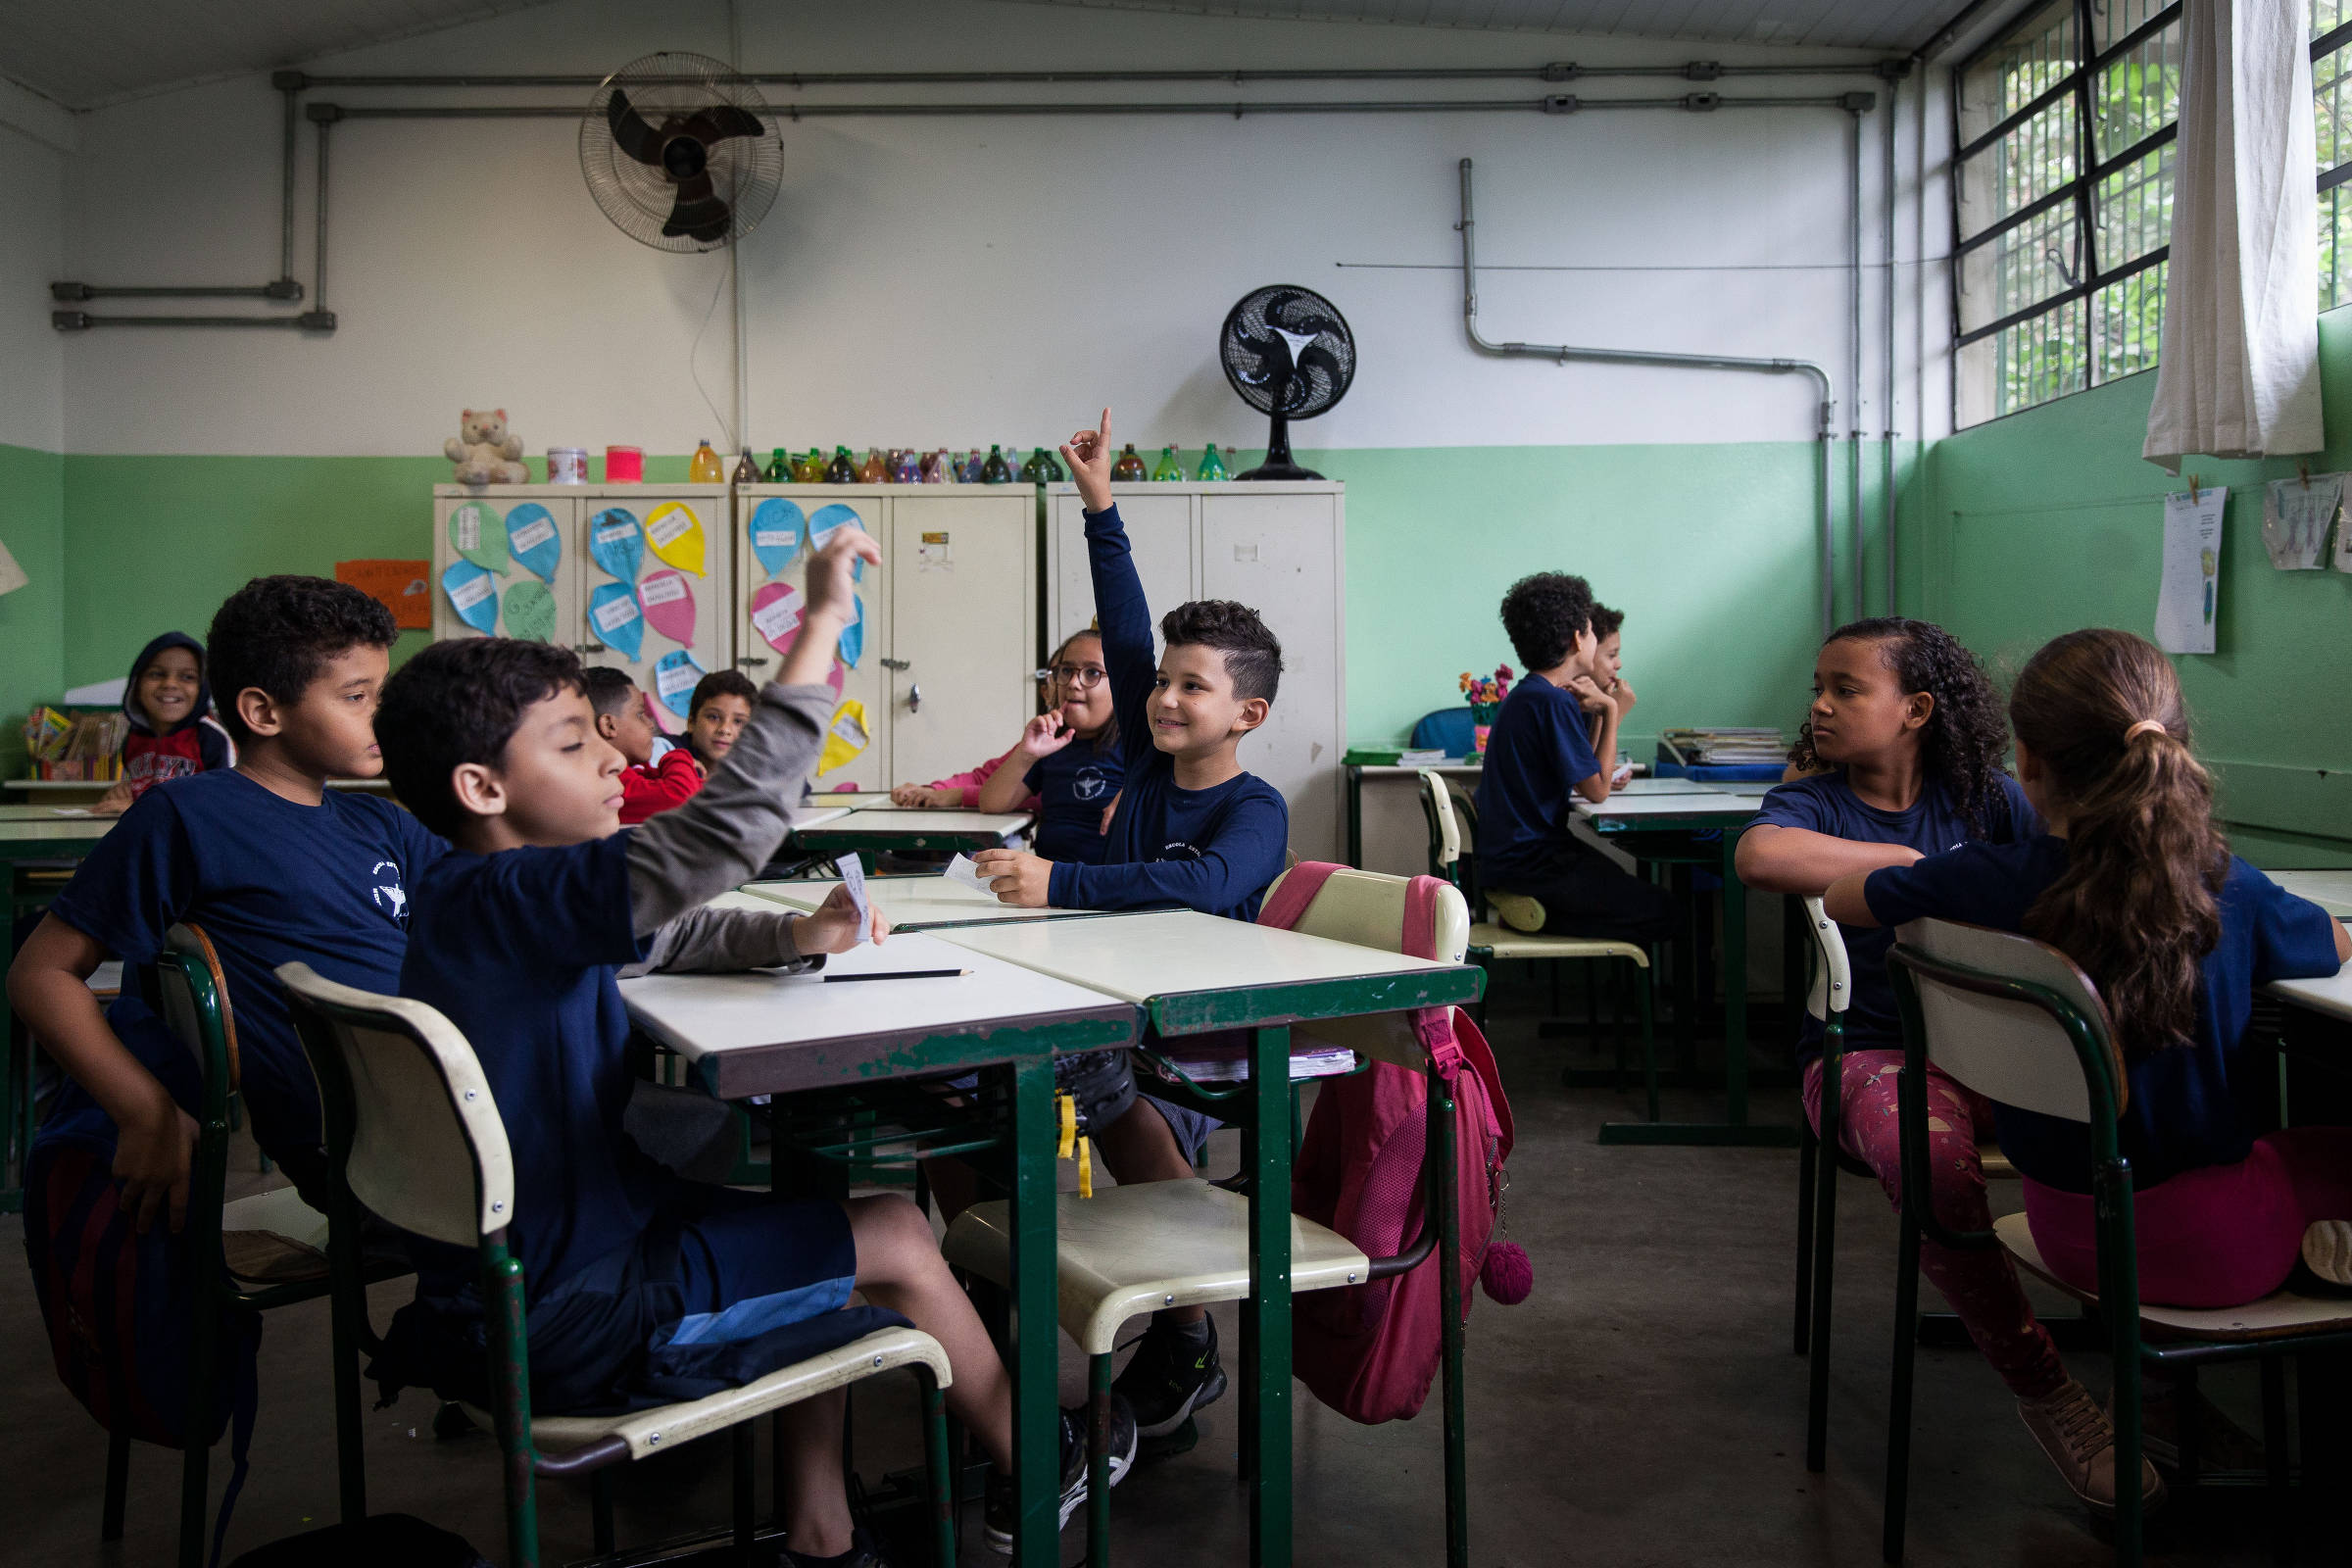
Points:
point(1090, 783)
point(388, 895)
point(1178, 850)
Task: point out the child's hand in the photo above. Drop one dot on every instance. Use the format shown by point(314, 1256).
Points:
point(830, 588)
point(1045, 734)
point(1016, 876)
point(152, 1155)
point(910, 794)
point(832, 926)
point(1588, 695)
point(1104, 828)
point(114, 801)
point(1088, 453)
point(1622, 696)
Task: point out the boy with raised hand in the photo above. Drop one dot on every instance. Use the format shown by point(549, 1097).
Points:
point(1191, 829)
point(521, 932)
point(269, 862)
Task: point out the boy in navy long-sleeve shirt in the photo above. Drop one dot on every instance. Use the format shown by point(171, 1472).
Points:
point(1191, 830)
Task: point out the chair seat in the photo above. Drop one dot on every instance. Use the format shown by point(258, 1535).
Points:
point(665, 1426)
point(274, 1237)
point(1504, 942)
point(2277, 1315)
point(1127, 1250)
point(1996, 1165)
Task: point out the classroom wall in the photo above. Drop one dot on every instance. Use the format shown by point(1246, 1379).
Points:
point(2049, 521)
point(31, 431)
point(952, 281)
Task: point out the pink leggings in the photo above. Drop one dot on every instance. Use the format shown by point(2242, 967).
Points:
point(2217, 1236)
point(1980, 1284)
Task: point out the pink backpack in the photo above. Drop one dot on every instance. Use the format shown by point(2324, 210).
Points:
point(1371, 1352)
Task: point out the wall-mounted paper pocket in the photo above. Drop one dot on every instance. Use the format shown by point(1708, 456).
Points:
point(676, 536)
point(675, 675)
point(615, 618)
point(617, 544)
point(474, 535)
point(668, 600)
point(776, 527)
point(776, 614)
point(473, 593)
point(531, 611)
point(531, 539)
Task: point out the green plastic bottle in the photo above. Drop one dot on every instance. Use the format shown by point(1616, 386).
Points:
point(1169, 468)
point(1031, 470)
point(843, 470)
point(996, 471)
point(1212, 467)
point(779, 468)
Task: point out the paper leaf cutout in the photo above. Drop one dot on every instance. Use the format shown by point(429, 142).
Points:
point(615, 620)
point(676, 536)
point(473, 594)
point(531, 611)
point(668, 601)
point(776, 614)
point(844, 737)
point(776, 528)
point(853, 636)
point(617, 544)
point(675, 675)
point(827, 520)
point(474, 534)
point(531, 539)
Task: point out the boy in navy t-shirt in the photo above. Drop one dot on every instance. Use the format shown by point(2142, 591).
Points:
point(272, 864)
point(520, 933)
point(1191, 830)
point(1542, 759)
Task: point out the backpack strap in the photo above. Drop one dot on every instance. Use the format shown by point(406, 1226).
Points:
point(1298, 889)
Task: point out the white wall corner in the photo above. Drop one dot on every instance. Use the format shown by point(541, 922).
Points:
point(44, 119)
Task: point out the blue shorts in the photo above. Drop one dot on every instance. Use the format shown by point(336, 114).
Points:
point(752, 1259)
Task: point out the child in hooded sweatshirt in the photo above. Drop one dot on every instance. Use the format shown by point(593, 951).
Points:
point(173, 732)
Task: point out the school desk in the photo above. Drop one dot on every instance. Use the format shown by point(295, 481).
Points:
point(913, 903)
point(1635, 820)
point(87, 791)
point(29, 835)
point(764, 1033)
point(1386, 828)
point(879, 829)
point(2329, 889)
point(1194, 973)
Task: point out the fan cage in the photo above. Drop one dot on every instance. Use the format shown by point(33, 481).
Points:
point(664, 90)
point(1253, 356)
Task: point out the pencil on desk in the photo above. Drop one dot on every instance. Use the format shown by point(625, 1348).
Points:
point(902, 975)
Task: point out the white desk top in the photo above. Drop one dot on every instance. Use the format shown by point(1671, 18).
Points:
point(1664, 786)
point(22, 823)
point(853, 800)
point(2329, 889)
point(893, 821)
point(1409, 770)
point(2332, 996)
point(911, 903)
point(1626, 808)
point(808, 816)
point(768, 1033)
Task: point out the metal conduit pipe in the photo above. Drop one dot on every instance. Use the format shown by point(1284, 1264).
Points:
point(1562, 354)
point(1854, 444)
point(1564, 104)
point(1895, 98)
point(1549, 70)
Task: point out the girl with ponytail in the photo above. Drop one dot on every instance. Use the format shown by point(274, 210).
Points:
point(2134, 881)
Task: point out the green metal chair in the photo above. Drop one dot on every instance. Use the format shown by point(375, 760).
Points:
point(413, 1134)
point(1492, 941)
point(1833, 985)
point(2017, 1021)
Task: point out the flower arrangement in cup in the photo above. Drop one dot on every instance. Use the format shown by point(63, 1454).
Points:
point(1484, 695)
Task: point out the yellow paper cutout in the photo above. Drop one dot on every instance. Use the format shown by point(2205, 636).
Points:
point(846, 738)
point(675, 535)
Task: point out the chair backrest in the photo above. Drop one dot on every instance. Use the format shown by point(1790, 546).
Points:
point(2002, 1014)
point(1368, 908)
point(1833, 988)
point(193, 993)
point(422, 1143)
point(1445, 830)
point(1451, 729)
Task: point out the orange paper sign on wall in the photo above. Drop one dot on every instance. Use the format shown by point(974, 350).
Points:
point(399, 585)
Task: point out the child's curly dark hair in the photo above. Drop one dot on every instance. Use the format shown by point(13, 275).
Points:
point(1966, 736)
point(1543, 613)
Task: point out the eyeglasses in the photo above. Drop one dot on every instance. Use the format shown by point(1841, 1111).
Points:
point(1082, 676)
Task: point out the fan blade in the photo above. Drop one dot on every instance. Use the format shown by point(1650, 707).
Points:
point(699, 214)
point(1321, 358)
point(721, 121)
point(630, 133)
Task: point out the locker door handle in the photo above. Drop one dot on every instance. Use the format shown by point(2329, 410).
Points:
point(902, 666)
point(915, 697)
point(754, 661)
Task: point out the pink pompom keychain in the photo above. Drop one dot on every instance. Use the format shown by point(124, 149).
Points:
point(1507, 1274)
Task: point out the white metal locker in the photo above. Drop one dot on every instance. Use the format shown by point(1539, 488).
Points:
point(964, 613)
point(541, 515)
point(1159, 532)
point(864, 680)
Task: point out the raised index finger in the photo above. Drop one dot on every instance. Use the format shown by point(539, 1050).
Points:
point(1105, 429)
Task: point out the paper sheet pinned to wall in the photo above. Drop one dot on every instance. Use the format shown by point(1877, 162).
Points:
point(531, 611)
point(473, 593)
point(2297, 514)
point(617, 618)
point(668, 601)
point(475, 533)
point(776, 527)
point(2189, 595)
point(616, 543)
point(675, 675)
point(531, 539)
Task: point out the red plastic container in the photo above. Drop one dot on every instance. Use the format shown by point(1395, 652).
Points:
point(625, 464)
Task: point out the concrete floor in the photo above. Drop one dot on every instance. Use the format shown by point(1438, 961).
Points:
point(1641, 1406)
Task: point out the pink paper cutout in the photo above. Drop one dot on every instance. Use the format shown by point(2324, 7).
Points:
point(837, 677)
point(780, 625)
point(668, 600)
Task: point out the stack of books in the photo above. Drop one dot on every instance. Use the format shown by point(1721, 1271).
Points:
point(1223, 1063)
point(1724, 746)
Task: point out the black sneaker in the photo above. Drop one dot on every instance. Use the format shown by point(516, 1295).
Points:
point(1169, 1377)
point(863, 1553)
point(1001, 1506)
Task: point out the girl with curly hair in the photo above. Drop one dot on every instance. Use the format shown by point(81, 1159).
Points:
point(1899, 759)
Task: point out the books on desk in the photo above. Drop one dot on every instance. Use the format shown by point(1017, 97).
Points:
point(1724, 747)
point(1228, 1063)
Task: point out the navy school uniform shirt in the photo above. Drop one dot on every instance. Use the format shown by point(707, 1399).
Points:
point(1536, 752)
point(2181, 1113)
point(271, 882)
point(1213, 850)
point(1073, 786)
point(1932, 824)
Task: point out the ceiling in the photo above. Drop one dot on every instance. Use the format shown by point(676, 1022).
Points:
point(85, 53)
point(1829, 23)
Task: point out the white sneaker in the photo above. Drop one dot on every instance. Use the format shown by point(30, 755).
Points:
point(2079, 1440)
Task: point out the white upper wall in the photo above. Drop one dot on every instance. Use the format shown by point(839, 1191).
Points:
point(32, 410)
point(957, 280)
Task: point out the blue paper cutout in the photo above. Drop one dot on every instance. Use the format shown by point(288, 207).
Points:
point(776, 529)
point(828, 519)
point(473, 594)
point(853, 636)
point(675, 675)
point(616, 543)
point(617, 619)
point(531, 539)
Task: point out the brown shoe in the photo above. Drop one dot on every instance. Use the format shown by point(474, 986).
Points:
point(2079, 1440)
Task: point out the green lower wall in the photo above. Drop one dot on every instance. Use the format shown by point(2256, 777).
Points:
point(1711, 551)
point(32, 524)
point(2049, 521)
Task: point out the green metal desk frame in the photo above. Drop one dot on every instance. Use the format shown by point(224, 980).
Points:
point(16, 1092)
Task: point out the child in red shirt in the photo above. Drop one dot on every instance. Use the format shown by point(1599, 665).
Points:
point(172, 734)
point(647, 786)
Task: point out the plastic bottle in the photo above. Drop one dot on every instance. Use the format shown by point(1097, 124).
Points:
point(1130, 466)
point(745, 470)
point(841, 471)
point(779, 468)
point(706, 468)
point(969, 470)
point(810, 466)
point(1048, 466)
point(1169, 468)
point(874, 471)
point(994, 470)
point(1213, 466)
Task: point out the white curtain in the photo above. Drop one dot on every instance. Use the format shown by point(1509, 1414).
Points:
point(2240, 371)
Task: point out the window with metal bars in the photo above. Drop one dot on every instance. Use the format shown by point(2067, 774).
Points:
point(2062, 195)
